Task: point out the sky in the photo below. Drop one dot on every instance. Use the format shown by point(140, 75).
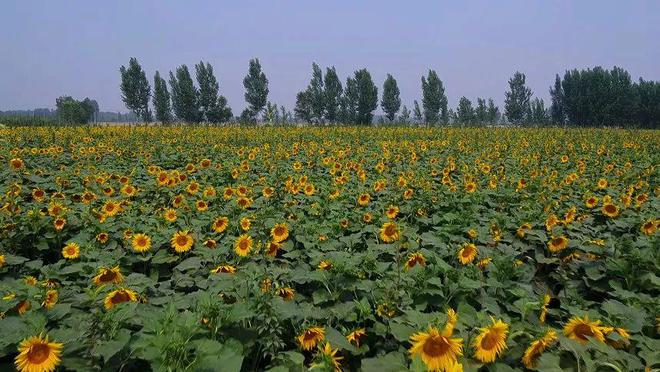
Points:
point(54, 47)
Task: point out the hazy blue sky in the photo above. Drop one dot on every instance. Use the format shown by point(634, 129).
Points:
point(51, 48)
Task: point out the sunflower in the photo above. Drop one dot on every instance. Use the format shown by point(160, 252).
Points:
point(201, 205)
point(29, 280)
point(267, 192)
point(59, 223)
point(537, 347)
point(622, 336)
point(311, 337)
point(272, 249)
point(279, 232)
point(468, 253)
point(224, 269)
point(37, 354)
point(580, 329)
point(220, 224)
point(610, 210)
point(324, 265)
point(118, 296)
point(522, 230)
point(141, 243)
point(50, 299)
point(491, 342)
point(438, 352)
point(181, 241)
point(484, 262)
point(16, 163)
point(245, 224)
point(544, 307)
point(649, 227)
point(38, 194)
point(110, 208)
point(558, 244)
point(470, 187)
point(389, 232)
point(355, 336)
point(327, 357)
point(591, 202)
point(22, 307)
point(71, 251)
point(106, 276)
point(286, 293)
point(243, 245)
point(102, 237)
point(602, 183)
point(392, 211)
point(415, 259)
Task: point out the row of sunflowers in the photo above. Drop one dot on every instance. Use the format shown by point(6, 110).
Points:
point(339, 248)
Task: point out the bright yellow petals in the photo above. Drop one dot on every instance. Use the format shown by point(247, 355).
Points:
point(181, 241)
point(38, 354)
point(491, 341)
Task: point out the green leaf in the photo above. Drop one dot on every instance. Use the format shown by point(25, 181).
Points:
point(392, 362)
point(336, 339)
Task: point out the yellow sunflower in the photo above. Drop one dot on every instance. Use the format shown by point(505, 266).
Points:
point(243, 245)
point(544, 308)
point(71, 251)
point(610, 210)
point(311, 337)
point(327, 357)
point(279, 232)
point(324, 265)
point(170, 215)
point(286, 293)
point(182, 241)
point(220, 224)
point(558, 244)
point(245, 224)
point(491, 342)
point(389, 232)
point(581, 329)
point(108, 275)
point(649, 227)
point(224, 269)
point(16, 164)
point(37, 354)
point(537, 347)
point(438, 352)
point(50, 299)
point(415, 259)
point(468, 253)
point(141, 243)
point(363, 199)
point(392, 211)
point(355, 336)
point(118, 296)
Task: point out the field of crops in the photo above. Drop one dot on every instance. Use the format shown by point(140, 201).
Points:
point(374, 249)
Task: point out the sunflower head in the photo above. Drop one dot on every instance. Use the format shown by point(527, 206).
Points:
point(38, 354)
point(581, 329)
point(279, 232)
point(71, 251)
point(389, 232)
point(558, 244)
point(108, 276)
point(438, 352)
point(141, 243)
point(243, 245)
point(468, 253)
point(220, 224)
point(181, 241)
point(310, 337)
point(119, 296)
point(491, 341)
point(415, 259)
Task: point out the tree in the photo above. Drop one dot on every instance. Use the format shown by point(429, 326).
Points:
point(557, 106)
point(464, 111)
point(516, 102)
point(316, 94)
point(213, 107)
point(539, 115)
point(303, 109)
point(333, 91)
point(367, 97)
point(270, 113)
point(71, 111)
point(256, 89)
point(434, 99)
point(349, 102)
point(481, 112)
point(493, 113)
point(648, 113)
point(391, 102)
point(404, 118)
point(417, 113)
point(135, 89)
point(185, 96)
point(161, 100)
point(285, 116)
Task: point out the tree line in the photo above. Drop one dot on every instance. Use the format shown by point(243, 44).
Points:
point(591, 97)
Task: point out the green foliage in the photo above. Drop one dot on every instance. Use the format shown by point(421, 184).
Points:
point(71, 111)
point(256, 90)
point(434, 99)
point(333, 92)
point(517, 99)
point(465, 112)
point(135, 89)
point(161, 100)
point(557, 114)
point(213, 107)
point(185, 96)
point(391, 102)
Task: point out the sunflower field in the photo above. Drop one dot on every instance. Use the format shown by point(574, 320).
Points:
point(339, 248)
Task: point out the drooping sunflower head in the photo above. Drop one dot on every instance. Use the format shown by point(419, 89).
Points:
point(279, 232)
point(491, 341)
point(324, 265)
point(243, 245)
point(355, 336)
point(389, 232)
point(287, 293)
point(558, 244)
point(438, 352)
point(108, 276)
point(50, 299)
point(182, 241)
point(119, 296)
point(141, 243)
point(310, 337)
point(224, 269)
point(581, 329)
point(537, 347)
point(71, 251)
point(468, 253)
point(415, 259)
point(38, 354)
